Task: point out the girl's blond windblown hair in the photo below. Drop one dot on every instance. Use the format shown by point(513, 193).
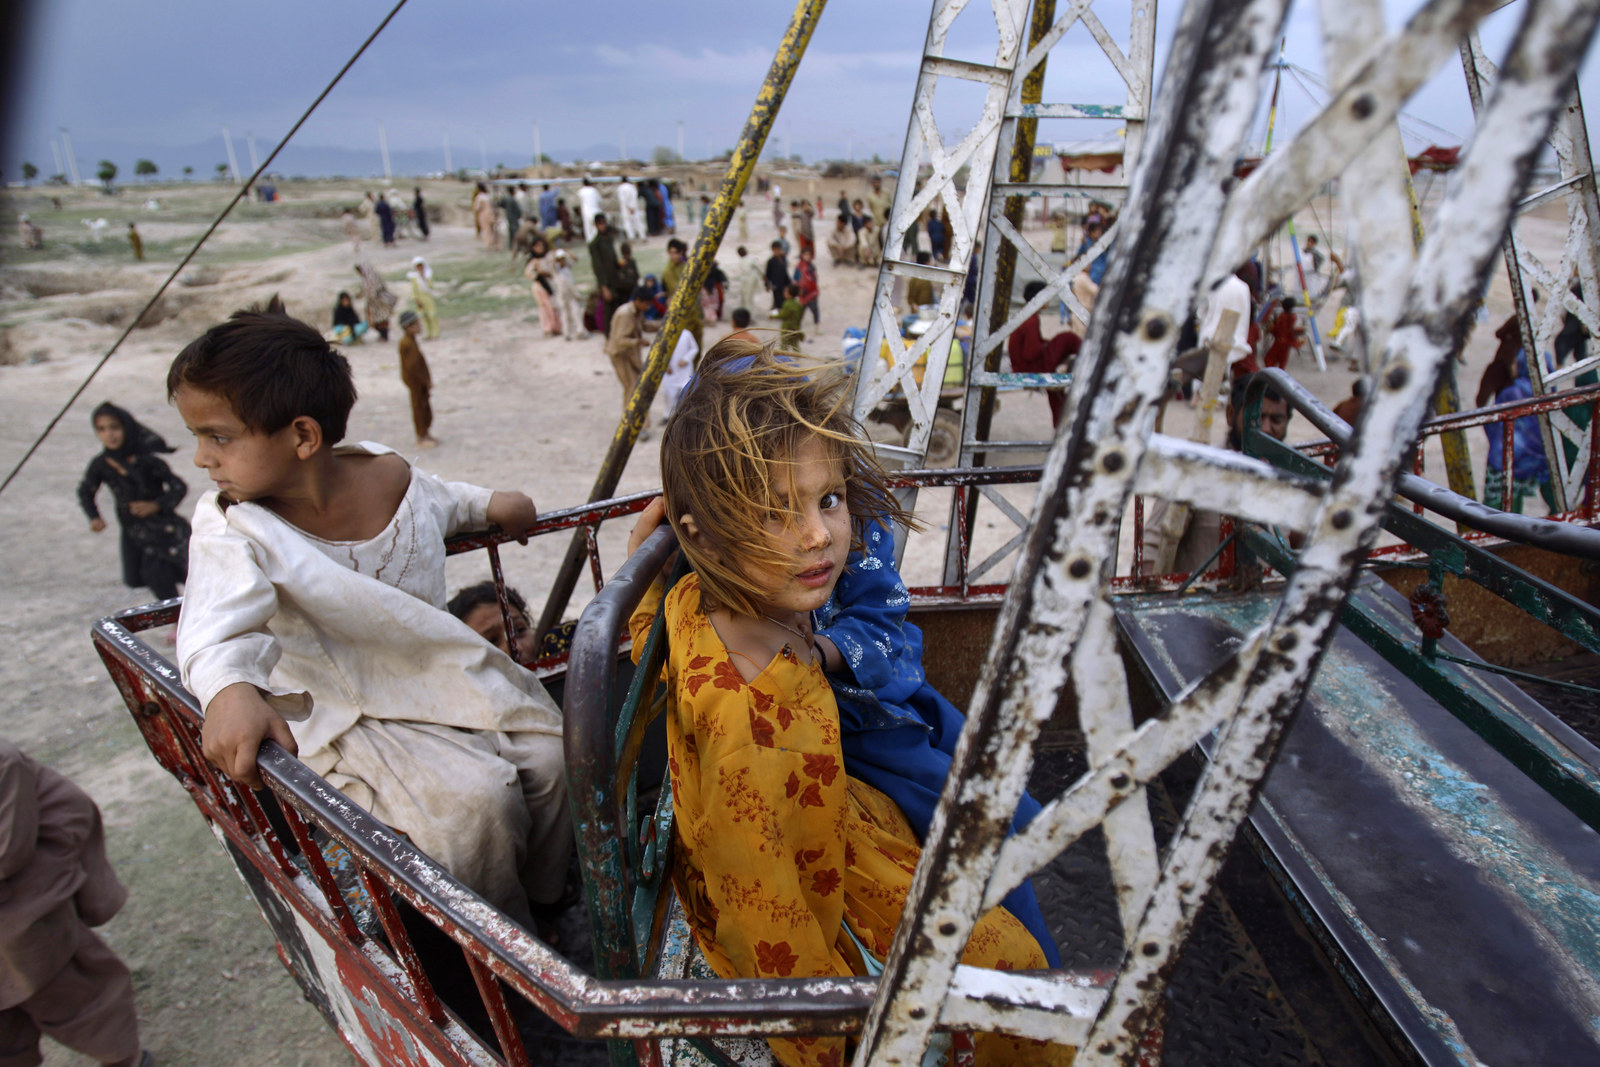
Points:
point(727, 461)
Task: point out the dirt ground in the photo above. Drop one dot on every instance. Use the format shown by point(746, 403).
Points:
point(513, 410)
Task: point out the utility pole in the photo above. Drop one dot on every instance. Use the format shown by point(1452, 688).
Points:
point(449, 168)
point(72, 161)
point(383, 146)
point(55, 150)
point(250, 143)
point(233, 160)
point(680, 138)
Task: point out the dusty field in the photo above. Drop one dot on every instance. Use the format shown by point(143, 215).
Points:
point(513, 410)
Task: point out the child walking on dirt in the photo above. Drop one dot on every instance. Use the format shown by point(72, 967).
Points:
point(418, 382)
point(155, 538)
point(771, 489)
point(315, 618)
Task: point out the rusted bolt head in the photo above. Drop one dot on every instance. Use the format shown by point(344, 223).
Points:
point(947, 928)
point(1363, 106)
point(1150, 948)
point(1342, 519)
point(149, 709)
point(1156, 326)
point(1287, 643)
point(1397, 377)
point(1079, 568)
point(1120, 780)
point(1113, 461)
point(919, 1012)
point(1105, 1048)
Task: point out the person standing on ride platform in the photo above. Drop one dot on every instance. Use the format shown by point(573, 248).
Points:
point(155, 538)
point(316, 598)
point(57, 977)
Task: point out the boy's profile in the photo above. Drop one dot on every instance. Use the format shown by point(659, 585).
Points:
point(314, 617)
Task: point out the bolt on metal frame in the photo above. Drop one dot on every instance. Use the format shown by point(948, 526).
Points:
point(1576, 188)
point(1187, 224)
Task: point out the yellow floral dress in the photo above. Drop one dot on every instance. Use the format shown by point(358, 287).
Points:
point(782, 856)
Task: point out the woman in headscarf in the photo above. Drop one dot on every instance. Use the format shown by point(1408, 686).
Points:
point(483, 215)
point(347, 325)
point(379, 300)
point(540, 271)
point(155, 538)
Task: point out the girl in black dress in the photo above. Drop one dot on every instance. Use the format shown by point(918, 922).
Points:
point(155, 539)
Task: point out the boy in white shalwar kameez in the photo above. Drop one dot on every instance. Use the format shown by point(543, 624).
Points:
point(314, 616)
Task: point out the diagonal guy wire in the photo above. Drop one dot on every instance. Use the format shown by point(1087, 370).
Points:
point(265, 163)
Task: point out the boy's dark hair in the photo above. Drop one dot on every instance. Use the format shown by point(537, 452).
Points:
point(924, 258)
point(1288, 303)
point(793, 290)
point(777, 246)
point(741, 318)
point(271, 369)
point(1241, 386)
point(474, 596)
point(676, 245)
point(1031, 290)
point(645, 293)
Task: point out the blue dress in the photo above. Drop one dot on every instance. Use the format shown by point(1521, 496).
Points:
point(898, 732)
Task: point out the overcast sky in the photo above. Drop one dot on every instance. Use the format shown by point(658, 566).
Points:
point(132, 79)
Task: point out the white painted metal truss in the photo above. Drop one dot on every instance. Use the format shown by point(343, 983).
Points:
point(1185, 225)
point(984, 151)
point(1566, 443)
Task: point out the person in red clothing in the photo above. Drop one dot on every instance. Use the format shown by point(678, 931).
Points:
point(1286, 335)
point(1031, 353)
point(805, 276)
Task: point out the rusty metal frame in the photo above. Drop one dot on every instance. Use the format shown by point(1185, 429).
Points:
point(1050, 625)
point(393, 977)
point(1576, 188)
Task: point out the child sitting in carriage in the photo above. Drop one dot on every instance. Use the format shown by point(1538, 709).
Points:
point(315, 617)
point(790, 863)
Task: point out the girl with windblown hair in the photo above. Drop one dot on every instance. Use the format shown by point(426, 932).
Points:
point(155, 538)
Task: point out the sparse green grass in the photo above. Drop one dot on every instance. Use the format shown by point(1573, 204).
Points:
point(466, 285)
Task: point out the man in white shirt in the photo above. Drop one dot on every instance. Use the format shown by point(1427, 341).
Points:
point(588, 208)
point(632, 217)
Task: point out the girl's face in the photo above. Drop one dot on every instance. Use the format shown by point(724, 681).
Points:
point(344, 301)
point(814, 531)
point(109, 429)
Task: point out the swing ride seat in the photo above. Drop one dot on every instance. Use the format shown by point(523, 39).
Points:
point(1432, 824)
